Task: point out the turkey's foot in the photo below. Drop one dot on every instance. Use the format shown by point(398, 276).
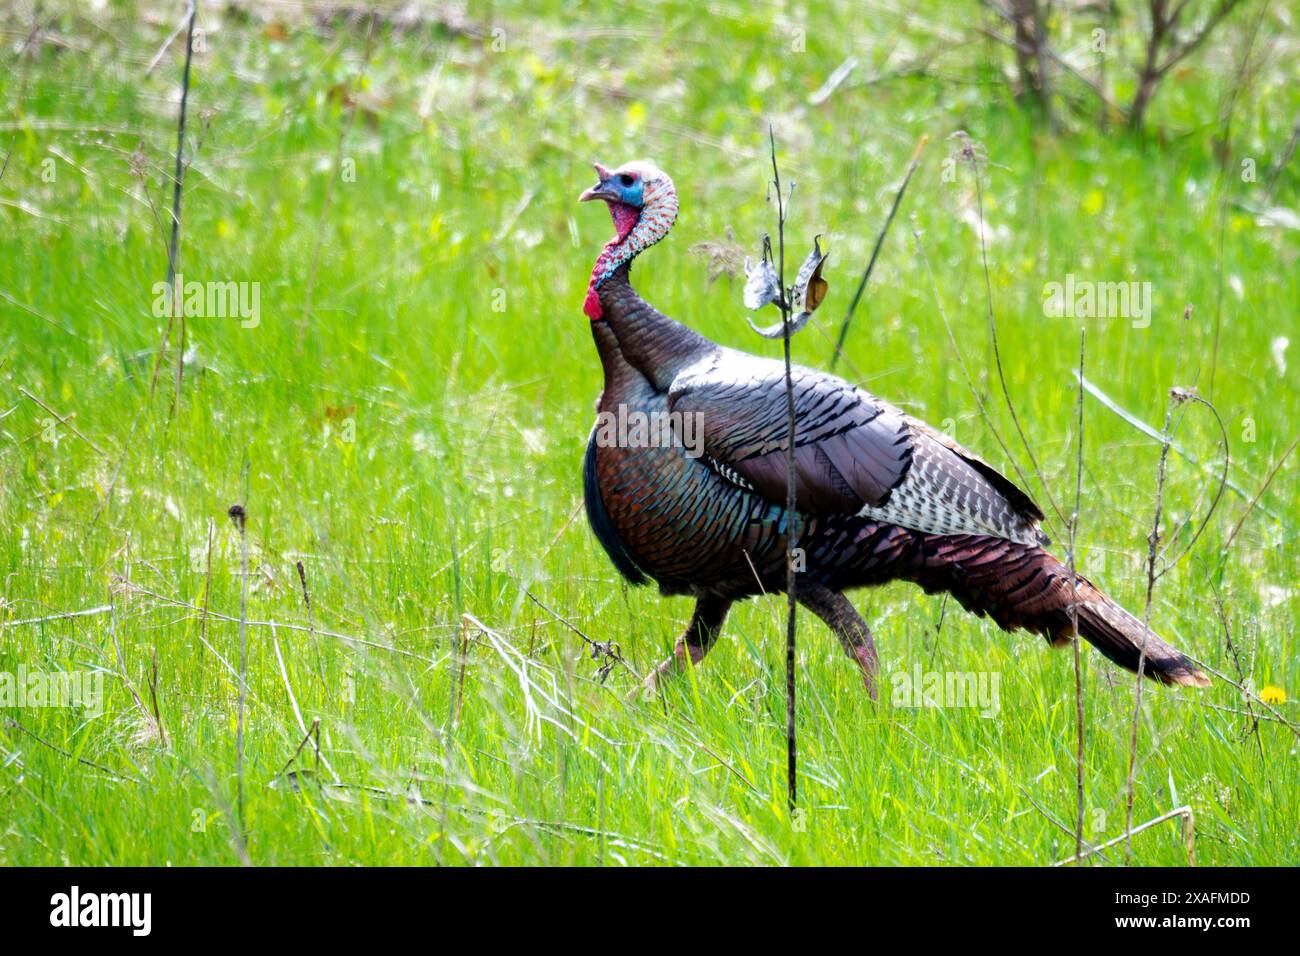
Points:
point(671, 667)
point(843, 618)
point(865, 656)
point(691, 646)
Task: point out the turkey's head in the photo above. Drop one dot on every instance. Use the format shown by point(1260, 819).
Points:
point(643, 204)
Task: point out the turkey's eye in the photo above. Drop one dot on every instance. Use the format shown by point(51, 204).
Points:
point(626, 179)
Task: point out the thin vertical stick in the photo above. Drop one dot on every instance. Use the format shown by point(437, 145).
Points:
point(1153, 540)
point(875, 251)
point(312, 734)
point(460, 677)
point(311, 626)
point(203, 617)
point(153, 696)
point(792, 519)
point(177, 181)
point(1074, 616)
point(1262, 488)
point(1236, 659)
point(121, 659)
point(961, 361)
point(240, 517)
point(997, 353)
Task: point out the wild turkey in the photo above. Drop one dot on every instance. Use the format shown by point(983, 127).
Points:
point(685, 481)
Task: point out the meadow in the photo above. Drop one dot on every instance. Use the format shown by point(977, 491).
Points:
point(400, 400)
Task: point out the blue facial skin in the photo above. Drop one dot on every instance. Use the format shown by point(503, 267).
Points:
point(630, 195)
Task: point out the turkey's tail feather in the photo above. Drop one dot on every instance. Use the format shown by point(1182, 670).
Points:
point(1119, 635)
point(1023, 586)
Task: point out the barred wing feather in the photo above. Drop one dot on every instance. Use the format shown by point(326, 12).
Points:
point(853, 452)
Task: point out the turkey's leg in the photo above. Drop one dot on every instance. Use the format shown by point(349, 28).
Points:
point(843, 618)
point(695, 641)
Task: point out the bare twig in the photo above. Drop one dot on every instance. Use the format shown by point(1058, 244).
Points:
point(1074, 614)
point(875, 250)
point(174, 247)
point(121, 660)
point(1174, 446)
point(1262, 488)
point(1267, 718)
point(609, 650)
point(1190, 396)
point(153, 695)
point(1250, 695)
point(1165, 49)
point(1098, 87)
point(207, 591)
point(1184, 812)
point(938, 625)
point(460, 675)
point(734, 772)
point(961, 361)
point(792, 517)
point(311, 626)
point(993, 335)
point(240, 517)
point(308, 734)
point(1055, 822)
point(62, 616)
point(293, 703)
point(65, 420)
point(171, 38)
point(10, 722)
point(1153, 540)
point(1236, 660)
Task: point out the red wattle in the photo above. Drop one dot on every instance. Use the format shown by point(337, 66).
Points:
point(624, 217)
point(625, 220)
point(591, 306)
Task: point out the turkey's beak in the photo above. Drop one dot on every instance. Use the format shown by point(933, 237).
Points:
point(601, 190)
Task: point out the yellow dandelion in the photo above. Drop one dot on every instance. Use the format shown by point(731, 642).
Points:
point(1273, 695)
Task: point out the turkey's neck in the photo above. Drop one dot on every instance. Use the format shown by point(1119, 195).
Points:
point(645, 339)
point(630, 237)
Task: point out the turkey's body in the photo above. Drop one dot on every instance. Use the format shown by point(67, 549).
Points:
point(697, 502)
point(697, 528)
point(664, 514)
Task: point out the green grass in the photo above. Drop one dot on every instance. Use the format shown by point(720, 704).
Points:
point(461, 478)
